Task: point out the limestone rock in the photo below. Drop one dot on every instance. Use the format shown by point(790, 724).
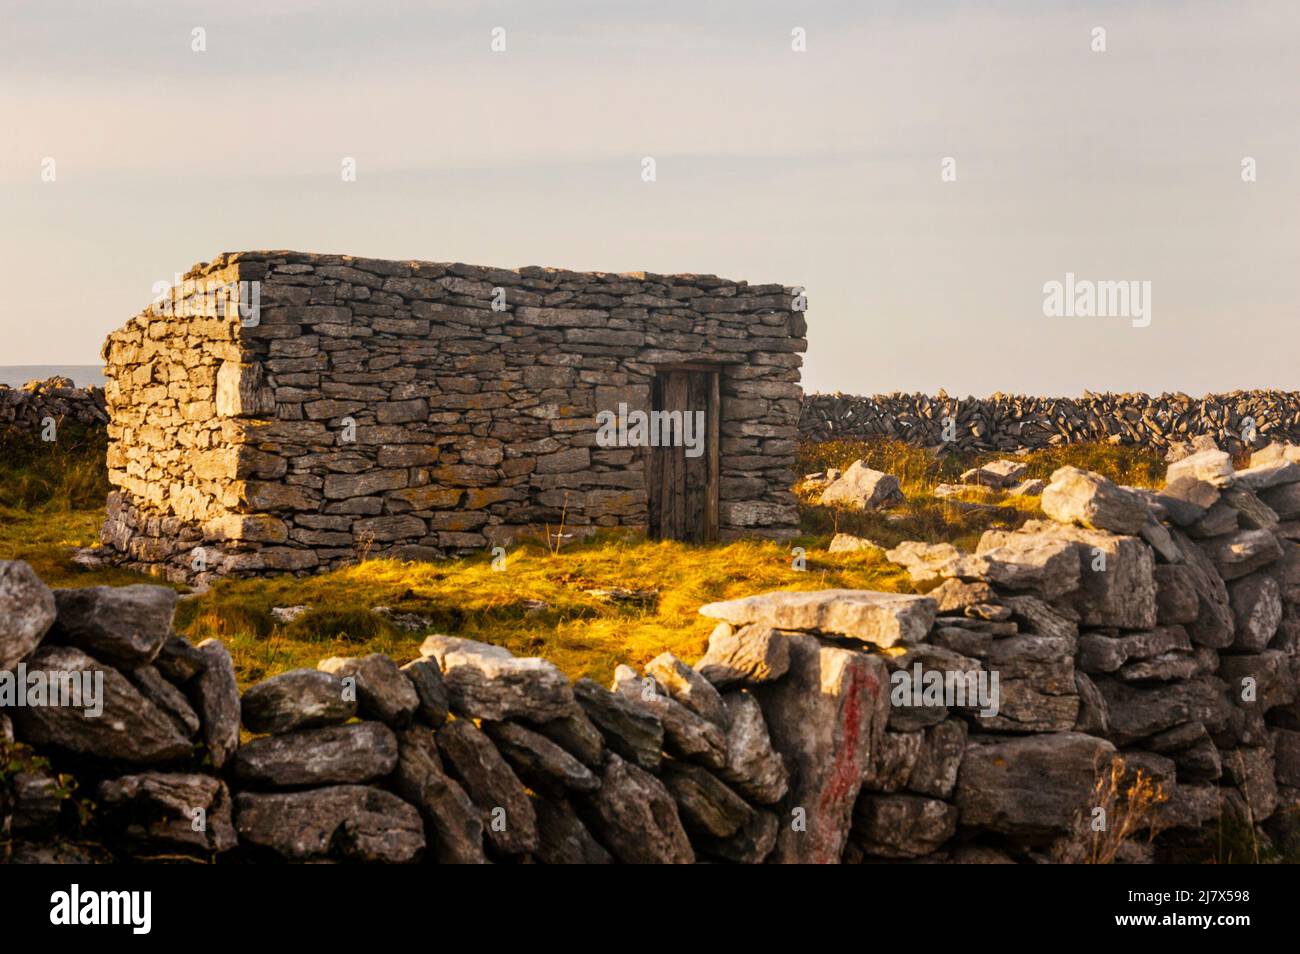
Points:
point(562, 837)
point(1176, 597)
point(509, 820)
point(1094, 502)
point(688, 687)
point(487, 682)
point(1032, 786)
point(129, 728)
point(1243, 552)
point(123, 625)
point(935, 771)
point(882, 619)
point(753, 768)
point(997, 474)
point(27, 610)
point(1214, 625)
point(338, 754)
point(750, 655)
point(298, 699)
point(704, 803)
point(686, 735)
point(1257, 611)
point(848, 543)
point(426, 678)
point(157, 812)
point(902, 826)
point(1213, 467)
point(1139, 711)
point(383, 693)
point(541, 764)
point(453, 826)
point(215, 694)
point(862, 488)
point(351, 822)
point(824, 718)
point(577, 735)
point(635, 817)
point(629, 729)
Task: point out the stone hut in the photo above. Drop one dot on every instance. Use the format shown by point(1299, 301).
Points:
point(284, 411)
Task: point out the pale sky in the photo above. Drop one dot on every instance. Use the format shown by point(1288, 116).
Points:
point(818, 168)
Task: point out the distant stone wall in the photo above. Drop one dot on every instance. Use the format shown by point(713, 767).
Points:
point(995, 719)
point(29, 408)
point(425, 409)
point(1011, 422)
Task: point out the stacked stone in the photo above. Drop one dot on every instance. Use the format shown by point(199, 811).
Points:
point(1238, 421)
point(1159, 627)
point(423, 409)
point(170, 717)
point(464, 755)
point(173, 457)
point(29, 407)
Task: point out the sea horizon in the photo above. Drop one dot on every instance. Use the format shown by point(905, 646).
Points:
point(83, 375)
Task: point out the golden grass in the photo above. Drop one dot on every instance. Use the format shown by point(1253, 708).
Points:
point(538, 604)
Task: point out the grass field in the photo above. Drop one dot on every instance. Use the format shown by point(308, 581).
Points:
point(51, 503)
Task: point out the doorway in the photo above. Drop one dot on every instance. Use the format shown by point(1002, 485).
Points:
point(682, 472)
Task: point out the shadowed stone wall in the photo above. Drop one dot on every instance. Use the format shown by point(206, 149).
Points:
point(1006, 422)
point(424, 409)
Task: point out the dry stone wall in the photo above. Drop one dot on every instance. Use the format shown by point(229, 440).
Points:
point(423, 409)
point(29, 409)
point(1237, 422)
point(986, 721)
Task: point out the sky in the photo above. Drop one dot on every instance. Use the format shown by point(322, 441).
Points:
point(822, 168)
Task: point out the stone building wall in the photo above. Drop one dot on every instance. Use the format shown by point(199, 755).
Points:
point(1240, 421)
point(388, 407)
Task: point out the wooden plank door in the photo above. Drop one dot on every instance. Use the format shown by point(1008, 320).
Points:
point(683, 490)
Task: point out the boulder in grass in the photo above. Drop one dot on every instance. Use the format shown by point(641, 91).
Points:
point(862, 488)
point(848, 543)
point(998, 474)
point(27, 610)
